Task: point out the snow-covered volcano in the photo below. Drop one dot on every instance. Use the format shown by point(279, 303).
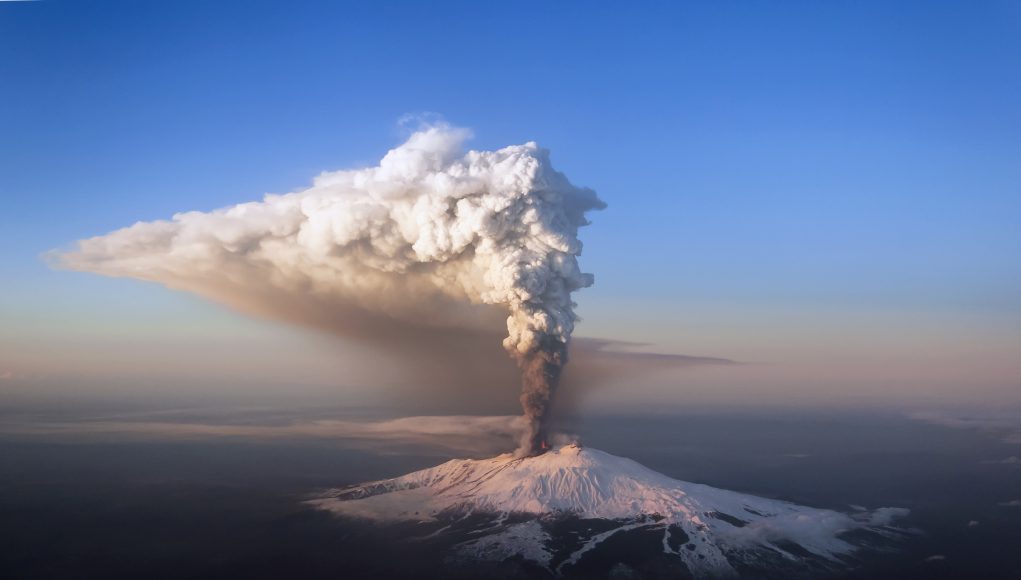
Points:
point(558, 508)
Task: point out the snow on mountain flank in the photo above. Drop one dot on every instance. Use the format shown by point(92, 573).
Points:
point(711, 530)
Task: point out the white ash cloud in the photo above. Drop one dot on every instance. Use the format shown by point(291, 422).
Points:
point(429, 239)
point(1013, 460)
point(1006, 424)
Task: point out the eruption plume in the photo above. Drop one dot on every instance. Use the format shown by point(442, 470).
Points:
point(426, 243)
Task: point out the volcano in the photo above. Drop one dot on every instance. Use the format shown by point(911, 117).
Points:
point(575, 511)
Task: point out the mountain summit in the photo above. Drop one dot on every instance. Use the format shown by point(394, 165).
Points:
point(558, 509)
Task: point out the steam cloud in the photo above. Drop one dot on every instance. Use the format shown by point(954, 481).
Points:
point(430, 239)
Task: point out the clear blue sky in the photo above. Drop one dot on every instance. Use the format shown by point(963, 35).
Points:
point(816, 159)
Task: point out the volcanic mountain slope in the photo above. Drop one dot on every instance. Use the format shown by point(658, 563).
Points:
point(566, 508)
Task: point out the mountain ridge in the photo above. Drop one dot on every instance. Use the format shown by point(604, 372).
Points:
point(713, 532)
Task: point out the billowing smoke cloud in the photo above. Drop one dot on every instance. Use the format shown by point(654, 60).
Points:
point(429, 241)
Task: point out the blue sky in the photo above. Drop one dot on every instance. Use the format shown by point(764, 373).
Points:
point(802, 173)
